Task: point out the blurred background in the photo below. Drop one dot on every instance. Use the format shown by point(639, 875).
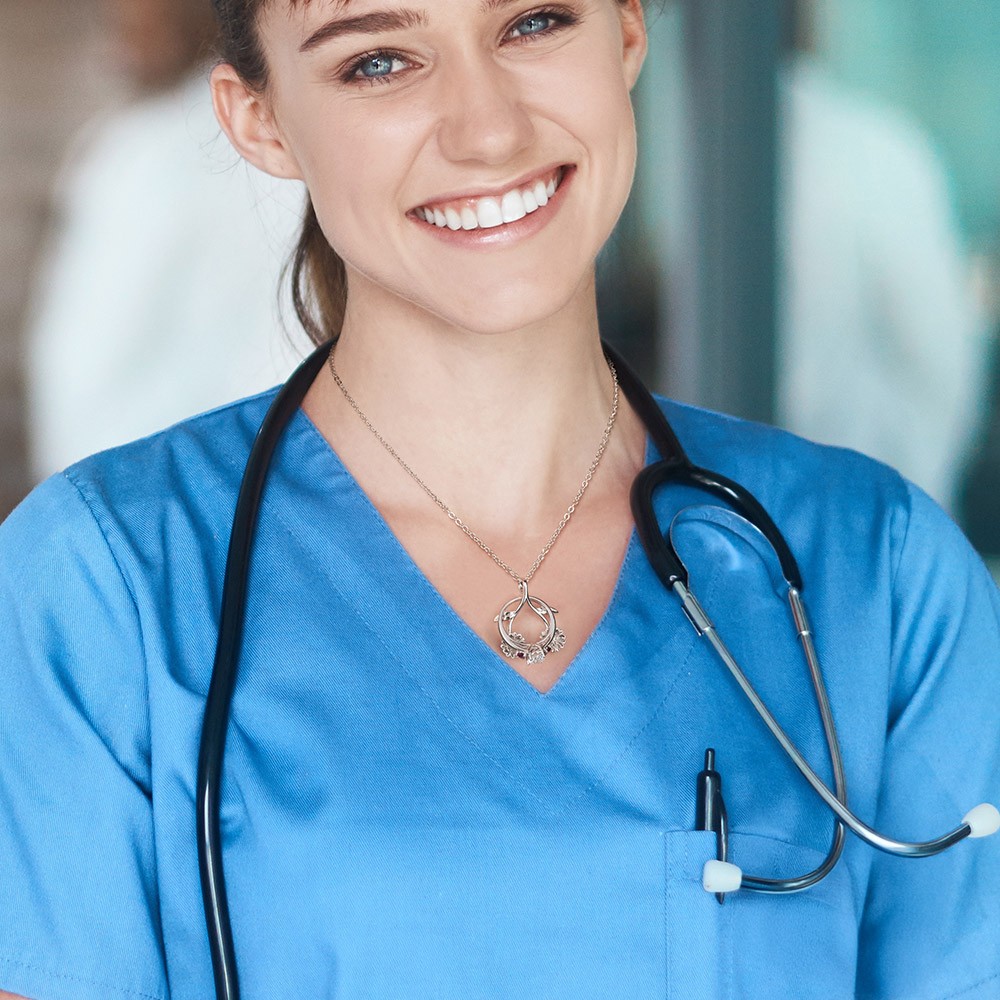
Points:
point(813, 240)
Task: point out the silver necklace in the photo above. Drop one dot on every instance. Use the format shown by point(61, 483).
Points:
point(512, 643)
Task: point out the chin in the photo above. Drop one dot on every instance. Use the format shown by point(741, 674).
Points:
point(483, 296)
point(493, 314)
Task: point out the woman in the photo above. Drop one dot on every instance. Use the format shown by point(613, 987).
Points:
point(408, 811)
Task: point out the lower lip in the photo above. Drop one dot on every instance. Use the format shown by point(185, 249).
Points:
point(510, 232)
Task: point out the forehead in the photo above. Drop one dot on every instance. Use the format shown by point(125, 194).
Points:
point(306, 11)
point(304, 25)
point(294, 17)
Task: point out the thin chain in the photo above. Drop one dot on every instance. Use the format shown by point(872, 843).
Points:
point(605, 437)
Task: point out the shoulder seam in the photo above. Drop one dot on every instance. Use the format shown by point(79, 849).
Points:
point(118, 566)
point(896, 562)
point(898, 556)
point(78, 979)
point(145, 670)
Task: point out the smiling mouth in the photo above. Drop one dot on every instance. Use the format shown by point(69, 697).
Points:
point(493, 211)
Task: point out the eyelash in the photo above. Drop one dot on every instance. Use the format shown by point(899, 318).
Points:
point(559, 17)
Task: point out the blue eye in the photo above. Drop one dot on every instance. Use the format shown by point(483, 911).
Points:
point(533, 24)
point(378, 65)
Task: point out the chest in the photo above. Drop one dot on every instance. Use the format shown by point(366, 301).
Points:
point(411, 818)
point(557, 609)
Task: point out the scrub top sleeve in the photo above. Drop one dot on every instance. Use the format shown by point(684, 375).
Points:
point(79, 911)
point(931, 926)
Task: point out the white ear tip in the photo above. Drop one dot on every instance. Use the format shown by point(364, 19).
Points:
point(721, 876)
point(984, 820)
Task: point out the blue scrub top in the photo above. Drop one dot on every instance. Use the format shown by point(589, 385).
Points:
point(406, 817)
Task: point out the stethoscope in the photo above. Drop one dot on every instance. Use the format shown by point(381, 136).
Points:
point(720, 875)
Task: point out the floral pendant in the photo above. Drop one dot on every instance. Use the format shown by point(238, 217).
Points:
point(513, 644)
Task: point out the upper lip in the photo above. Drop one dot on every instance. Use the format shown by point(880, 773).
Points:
point(494, 192)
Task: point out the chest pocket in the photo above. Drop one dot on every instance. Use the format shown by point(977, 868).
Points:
point(801, 945)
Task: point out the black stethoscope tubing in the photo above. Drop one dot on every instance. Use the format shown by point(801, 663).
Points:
point(674, 467)
point(231, 619)
point(227, 653)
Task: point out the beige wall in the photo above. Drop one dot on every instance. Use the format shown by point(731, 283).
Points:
point(53, 77)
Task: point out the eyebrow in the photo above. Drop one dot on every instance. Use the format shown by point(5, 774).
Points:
point(364, 24)
point(487, 6)
point(380, 20)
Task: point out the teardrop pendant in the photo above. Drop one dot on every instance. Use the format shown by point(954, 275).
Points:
point(513, 644)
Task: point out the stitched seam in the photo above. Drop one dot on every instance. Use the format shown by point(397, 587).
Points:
point(616, 599)
point(118, 566)
point(605, 771)
point(402, 665)
point(974, 986)
point(426, 584)
point(964, 991)
point(279, 518)
point(898, 561)
point(148, 701)
point(79, 979)
point(587, 789)
point(729, 939)
point(811, 896)
point(668, 895)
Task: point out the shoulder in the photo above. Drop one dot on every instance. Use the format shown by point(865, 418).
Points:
point(783, 467)
point(144, 498)
point(851, 521)
point(117, 563)
point(799, 477)
point(76, 771)
point(872, 547)
point(204, 453)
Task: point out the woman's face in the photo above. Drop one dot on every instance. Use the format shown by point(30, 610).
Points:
point(509, 121)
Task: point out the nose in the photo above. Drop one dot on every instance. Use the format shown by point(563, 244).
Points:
point(483, 116)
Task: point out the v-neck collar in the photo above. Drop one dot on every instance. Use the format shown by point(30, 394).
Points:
point(391, 551)
point(618, 681)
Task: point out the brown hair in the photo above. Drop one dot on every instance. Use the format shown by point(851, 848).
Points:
point(319, 280)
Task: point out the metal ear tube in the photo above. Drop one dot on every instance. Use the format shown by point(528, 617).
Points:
point(719, 874)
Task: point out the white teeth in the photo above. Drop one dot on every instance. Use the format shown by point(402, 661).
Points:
point(512, 207)
point(488, 213)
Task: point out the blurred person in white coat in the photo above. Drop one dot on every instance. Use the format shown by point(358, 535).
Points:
point(156, 299)
point(881, 340)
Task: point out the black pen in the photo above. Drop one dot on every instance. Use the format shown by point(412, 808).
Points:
point(710, 810)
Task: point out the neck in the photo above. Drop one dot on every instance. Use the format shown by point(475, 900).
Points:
point(501, 426)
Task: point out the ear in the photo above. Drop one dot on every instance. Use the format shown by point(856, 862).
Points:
point(246, 117)
point(634, 41)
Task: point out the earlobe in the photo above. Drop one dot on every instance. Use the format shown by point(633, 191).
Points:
point(248, 121)
point(634, 39)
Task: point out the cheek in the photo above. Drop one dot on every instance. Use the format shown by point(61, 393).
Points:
point(587, 94)
point(355, 167)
